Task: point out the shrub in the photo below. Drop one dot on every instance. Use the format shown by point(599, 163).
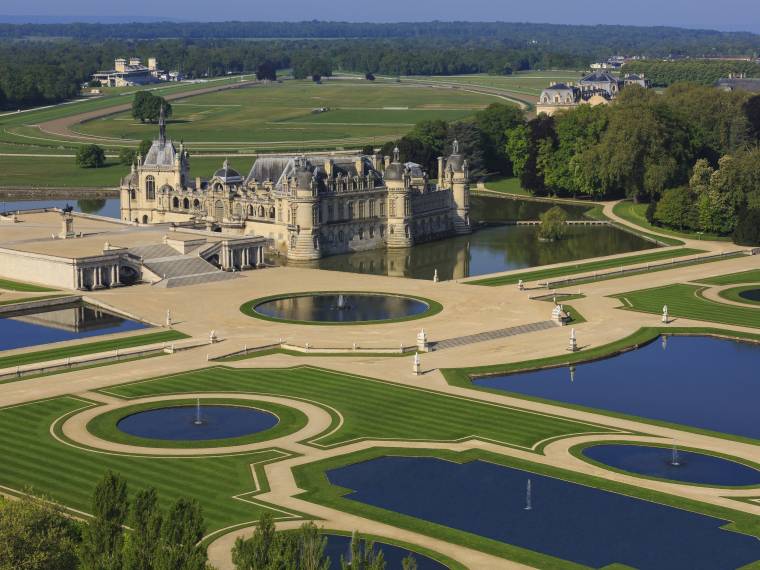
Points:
point(90, 156)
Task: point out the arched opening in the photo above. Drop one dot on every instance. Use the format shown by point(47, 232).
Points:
point(250, 210)
point(175, 202)
point(261, 211)
point(271, 212)
point(145, 219)
point(132, 194)
point(196, 203)
point(186, 204)
point(150, 188)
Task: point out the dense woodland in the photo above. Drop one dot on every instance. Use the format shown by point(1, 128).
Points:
point(664, 73)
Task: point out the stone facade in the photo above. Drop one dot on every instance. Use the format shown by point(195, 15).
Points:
point(307, 207)
point(597, 88)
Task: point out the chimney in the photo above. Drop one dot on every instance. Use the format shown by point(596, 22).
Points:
point(197, 182)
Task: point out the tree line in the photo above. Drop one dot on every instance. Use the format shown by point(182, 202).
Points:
point(592, 40)
point(134, 532)
point(691, 153)
point(664, 73)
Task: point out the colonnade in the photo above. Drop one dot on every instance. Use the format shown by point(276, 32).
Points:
point(98, 277)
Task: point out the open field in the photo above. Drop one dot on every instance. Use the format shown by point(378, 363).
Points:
point(687, 302)
point(542, 274)
point(266, 116)
point(522, 82)
point(635, 213)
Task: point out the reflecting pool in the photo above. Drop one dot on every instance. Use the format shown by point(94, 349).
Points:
point(108, 207)
point(341, 308)
point(78, 320)
point(338, 545)
point(750, 295)
point(567, 520)
point(673, 464)
point(190, 423)
point(702, 382)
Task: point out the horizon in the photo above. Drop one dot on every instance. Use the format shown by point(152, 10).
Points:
point(731, 16)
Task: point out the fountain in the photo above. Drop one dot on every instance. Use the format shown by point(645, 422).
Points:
point(528, 498)
point(674, 457)
point(341, 304)
point(198, 421)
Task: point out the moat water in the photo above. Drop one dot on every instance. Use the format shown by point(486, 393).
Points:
point(701, 382)
point(76, 321)
point(490, 249)
point(567, 520)
point(341, 308)
point(188, 423)
point(673, 464)
point(108, 207)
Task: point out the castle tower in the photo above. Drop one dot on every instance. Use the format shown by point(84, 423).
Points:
point(457, 177)
point(399, 208)
point(303, 230)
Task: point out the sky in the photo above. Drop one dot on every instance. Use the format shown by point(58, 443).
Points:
point(731, 15)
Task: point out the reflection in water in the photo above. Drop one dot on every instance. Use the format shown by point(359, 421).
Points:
point(33, 327)
point(108, 207)
point(340, 546)
point(341, 308)
point(485, 251)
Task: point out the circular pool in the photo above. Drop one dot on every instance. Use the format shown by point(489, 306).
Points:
point(340, 308)
point(674, 465)
point(752, 295)
point(190, 423)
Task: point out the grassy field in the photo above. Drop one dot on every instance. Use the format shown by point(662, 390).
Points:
point(734, 294)
point(686, 301)
point(541, 274)
point(510, 185)
point(635, 213)
point(281, 115)
point(90, 348)
point(524, 83)
point(369, 409)
point(751, 276)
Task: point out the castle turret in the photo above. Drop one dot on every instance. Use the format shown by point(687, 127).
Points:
point(399, 208)
point(303, 229)
point(457, 177)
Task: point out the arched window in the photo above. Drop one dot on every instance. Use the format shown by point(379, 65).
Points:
point(219, 210)
point(261, 211)
point(175, 202)
point(196, 203)
point(150, 188)
point(186, 204)
point(145, 219)
point(250, 210)
point(132, 194)
point(271, 212)
point(238, 210)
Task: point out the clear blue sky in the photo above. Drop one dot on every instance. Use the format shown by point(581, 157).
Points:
point(721, 14)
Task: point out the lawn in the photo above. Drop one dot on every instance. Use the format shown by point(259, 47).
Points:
point(22, 287)
point(509, 185)
point(734, 294)
point(90, 348)
point(636, 214)
point(751, 276)
point(369, 409)
point(281, 115)
point(541, 274)
point(524, 83)
point(687, 302)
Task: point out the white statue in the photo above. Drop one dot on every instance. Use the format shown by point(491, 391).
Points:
point(416, 366)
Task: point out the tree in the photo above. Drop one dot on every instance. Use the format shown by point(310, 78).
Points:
point(36, 535)
point(145, 520)
point(752, 112)
point(364, 555)
point(181, 532)
point(409, 562)
point(146, 107)
point(494, 121)
point(676, 209)
point(472, 144)
point(553, 224)
point(144, 147)
point(266, 71)
point(747, 230)
point(256, 552)
point(104, 535)
point(90, 156)
point(127, 156)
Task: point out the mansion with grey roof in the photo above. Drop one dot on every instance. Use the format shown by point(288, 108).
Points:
point(596, 88)
point(308, 207)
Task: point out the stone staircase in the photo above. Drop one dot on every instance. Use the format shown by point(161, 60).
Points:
point(173, 269)
point(492, 335)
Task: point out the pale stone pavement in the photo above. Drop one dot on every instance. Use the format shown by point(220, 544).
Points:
point(468, 310)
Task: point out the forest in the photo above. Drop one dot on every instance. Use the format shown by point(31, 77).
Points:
point(664, 73)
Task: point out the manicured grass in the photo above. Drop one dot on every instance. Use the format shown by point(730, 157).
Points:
point(371, 408)
point(247, 308)
point(522, 82)
point(686, 301)
point(22, 287)
point(58, 172)
point(509, 185)
point(104, 425)
point(541, 274)
point(319, 490)
point(270, 351)
point(734, 294)
point(90, 348)
point(751, 276)
point(636, 214)
point(28, 299)
point(33, 460)
point(260, 117)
